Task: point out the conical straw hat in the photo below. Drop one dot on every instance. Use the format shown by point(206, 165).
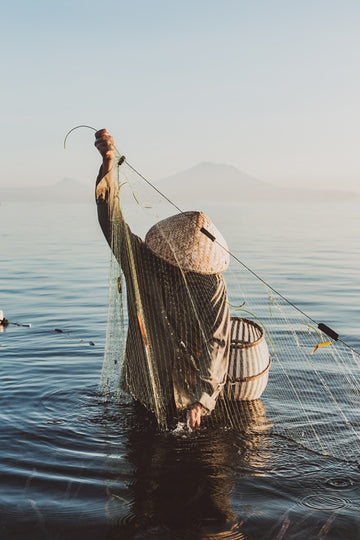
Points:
point(191, 241)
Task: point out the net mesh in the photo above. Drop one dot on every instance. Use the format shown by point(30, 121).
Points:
point(175, 336)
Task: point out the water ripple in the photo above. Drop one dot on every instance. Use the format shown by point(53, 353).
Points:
point(340, 482)
point(324, 501)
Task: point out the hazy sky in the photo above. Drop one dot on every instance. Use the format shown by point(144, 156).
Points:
point(271, 87)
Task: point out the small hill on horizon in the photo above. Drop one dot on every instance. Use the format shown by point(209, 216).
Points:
point(210, 182)
point(224, 183)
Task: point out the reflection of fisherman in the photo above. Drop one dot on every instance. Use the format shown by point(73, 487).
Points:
point(184, 316)
point(186, 486)
point(193, 492)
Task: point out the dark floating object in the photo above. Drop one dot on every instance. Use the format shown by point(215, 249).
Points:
point(5, 322)
point(328, 331)
point(80, 340)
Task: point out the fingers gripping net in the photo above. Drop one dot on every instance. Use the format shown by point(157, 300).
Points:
point(176, 337)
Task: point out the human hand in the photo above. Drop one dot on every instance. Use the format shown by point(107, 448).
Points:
point(104, 142)
point(194, 415)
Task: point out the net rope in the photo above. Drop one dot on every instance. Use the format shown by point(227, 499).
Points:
point(158, 318)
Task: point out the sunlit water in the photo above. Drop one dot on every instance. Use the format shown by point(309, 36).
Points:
point(76, 463)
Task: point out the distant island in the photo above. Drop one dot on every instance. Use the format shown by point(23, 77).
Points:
point(207, 181)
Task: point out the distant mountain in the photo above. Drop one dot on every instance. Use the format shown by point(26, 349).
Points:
point(223, 183)
point(206, 182)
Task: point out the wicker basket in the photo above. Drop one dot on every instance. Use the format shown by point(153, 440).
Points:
point(249, 361)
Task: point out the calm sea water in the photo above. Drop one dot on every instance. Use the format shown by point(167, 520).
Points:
point(76, 463)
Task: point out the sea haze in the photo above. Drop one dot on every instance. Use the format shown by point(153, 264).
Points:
point(206, 181)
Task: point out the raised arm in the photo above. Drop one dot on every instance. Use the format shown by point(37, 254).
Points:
point(104, 142)
point(106, 186)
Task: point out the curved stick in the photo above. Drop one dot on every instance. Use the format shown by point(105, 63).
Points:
point(73, 129)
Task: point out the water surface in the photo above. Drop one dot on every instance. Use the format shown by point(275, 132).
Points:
point(76, 462)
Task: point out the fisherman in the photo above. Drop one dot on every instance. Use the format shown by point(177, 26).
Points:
point(177, 302)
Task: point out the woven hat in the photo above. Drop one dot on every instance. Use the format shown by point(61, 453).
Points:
point(191, 241)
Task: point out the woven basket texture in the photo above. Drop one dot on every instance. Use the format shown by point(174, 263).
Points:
point(249, 358)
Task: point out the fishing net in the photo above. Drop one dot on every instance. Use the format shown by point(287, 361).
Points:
point(179, 333)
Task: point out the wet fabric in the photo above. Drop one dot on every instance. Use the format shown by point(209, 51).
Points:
point(178, 340)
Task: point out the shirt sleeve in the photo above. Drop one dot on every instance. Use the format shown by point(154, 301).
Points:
point(107, 201)
point(111, 219)
point(214, 358)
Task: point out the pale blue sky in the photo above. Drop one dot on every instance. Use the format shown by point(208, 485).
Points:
point(271, 87)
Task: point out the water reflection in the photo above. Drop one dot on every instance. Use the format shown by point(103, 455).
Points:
point(181, 483)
